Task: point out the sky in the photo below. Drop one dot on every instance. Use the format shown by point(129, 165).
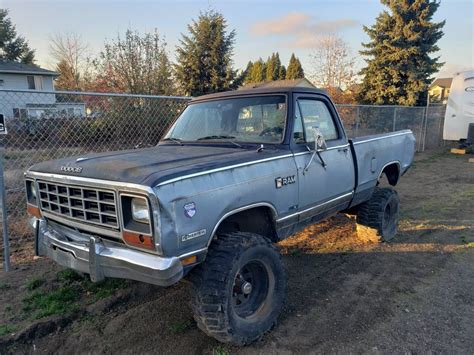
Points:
point(262, 26)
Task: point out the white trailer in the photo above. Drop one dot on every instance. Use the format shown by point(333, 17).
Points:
point(460, 108)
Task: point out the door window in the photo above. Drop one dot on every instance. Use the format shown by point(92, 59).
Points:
point(315, 113)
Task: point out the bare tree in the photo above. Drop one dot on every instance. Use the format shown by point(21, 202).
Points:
point(333, 63)
point(136, 64)
point(70, 53)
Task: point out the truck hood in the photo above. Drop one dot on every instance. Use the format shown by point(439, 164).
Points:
point(151, 166)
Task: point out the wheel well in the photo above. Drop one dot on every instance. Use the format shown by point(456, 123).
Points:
point(392, 172)
point(258, 220)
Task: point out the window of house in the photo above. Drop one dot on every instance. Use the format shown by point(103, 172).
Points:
point(19, 113)
point(35, 82)
point(38, 82)
point(31, 82)
point(316, 114)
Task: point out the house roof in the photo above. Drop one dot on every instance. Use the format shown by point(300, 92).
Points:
point(442, 82)
point(10, 67)
point(305, 83)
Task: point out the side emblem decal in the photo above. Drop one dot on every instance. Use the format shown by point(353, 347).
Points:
point(190, 209)
point(283, 181)
point(193, 235)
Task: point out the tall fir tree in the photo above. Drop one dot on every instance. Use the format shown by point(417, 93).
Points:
point(399, 62)
point(68, 78)
point(273, 67)
point(204, 57)
point(247, 72)
point(282, 73)
point(294, 70)
point(269, 66)
point(12, 46)
point(258, 72)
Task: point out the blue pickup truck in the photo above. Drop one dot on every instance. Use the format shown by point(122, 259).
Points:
point(236, 172)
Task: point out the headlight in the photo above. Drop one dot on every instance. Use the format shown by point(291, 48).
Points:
point(31, 192)
point(140, 210)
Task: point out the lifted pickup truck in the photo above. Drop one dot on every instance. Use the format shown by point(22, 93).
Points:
point(236, 172)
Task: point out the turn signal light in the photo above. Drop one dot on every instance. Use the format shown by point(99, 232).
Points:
point(189, 260)
point(138, 240)
point(33, 210)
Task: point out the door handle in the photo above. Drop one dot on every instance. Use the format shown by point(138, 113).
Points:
point(343, 150)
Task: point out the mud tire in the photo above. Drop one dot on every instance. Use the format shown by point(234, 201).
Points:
point(381, 212)
point(216, 297)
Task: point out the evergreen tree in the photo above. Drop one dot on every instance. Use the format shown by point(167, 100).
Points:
point(273, 67)
point(12, 46)
point(258, 72)
point(294, 70)
point(205, 56)
point(247, 72)
point(269, 66)
point(399, 65)
point(68, 78)
point(282, 73)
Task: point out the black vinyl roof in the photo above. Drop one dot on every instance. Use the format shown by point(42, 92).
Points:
point(260, 91)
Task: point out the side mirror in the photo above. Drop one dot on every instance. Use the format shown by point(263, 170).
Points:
point(319, 141)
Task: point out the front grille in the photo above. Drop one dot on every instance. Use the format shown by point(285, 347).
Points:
point(84, 204)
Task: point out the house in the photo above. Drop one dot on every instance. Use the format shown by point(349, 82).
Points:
point(439, 89)
point(34, 97)
point(304, 83)
point(19, 76)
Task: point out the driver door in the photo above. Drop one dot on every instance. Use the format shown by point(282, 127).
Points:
point(321, 188)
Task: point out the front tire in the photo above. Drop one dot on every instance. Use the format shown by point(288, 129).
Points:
point(240, 289)
point(381, 212)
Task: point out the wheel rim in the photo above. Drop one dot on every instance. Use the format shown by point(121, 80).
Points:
point(250, 289)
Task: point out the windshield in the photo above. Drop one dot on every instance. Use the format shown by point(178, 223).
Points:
point(251, 119)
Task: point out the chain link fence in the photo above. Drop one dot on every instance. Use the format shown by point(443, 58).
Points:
point(51, 125)
point(425, 122)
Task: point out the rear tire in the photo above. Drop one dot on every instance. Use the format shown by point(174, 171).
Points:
point(381, 212)
point(240, 288)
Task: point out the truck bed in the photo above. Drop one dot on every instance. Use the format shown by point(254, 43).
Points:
point(373, 153)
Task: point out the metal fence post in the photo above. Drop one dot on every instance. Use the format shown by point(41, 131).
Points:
point(425, 128)
point(357, 121)
point(440, 129)
point(6, 242)
point(420, 135)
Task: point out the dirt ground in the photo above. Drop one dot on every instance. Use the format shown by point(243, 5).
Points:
point(348, 293)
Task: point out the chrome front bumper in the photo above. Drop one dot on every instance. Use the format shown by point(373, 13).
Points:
point(103, 258)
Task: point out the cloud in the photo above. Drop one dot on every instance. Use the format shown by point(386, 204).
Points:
point(300, 29)
point(450, 69)
point(290, 23)
point(326, 27)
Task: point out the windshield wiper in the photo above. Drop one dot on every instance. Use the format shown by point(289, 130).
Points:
point(220, 137)
point(175, 140)
point(215, 137)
